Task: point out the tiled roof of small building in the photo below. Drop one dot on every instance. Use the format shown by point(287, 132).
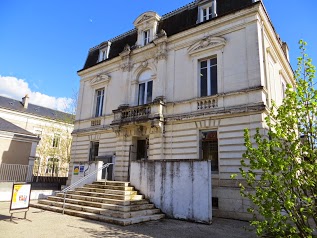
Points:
point(9, 127)
point(15, 105)
point(172, 23)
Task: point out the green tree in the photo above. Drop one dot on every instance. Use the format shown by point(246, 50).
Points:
point(280, 166)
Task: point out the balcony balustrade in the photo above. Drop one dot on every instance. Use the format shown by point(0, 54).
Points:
point(126, 114)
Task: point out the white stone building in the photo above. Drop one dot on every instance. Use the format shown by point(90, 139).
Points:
point(51, 127)
point(183, 86)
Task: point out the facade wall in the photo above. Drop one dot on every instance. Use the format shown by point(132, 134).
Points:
point(250, 67)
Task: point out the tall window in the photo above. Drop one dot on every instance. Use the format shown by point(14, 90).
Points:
point(145, 88)
point(146, 37)
point(100, 93)
point(94, 150)
point(56, 140)
point(208, 77)
point(209, 147)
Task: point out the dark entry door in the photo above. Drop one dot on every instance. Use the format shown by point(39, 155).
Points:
point(141, 152)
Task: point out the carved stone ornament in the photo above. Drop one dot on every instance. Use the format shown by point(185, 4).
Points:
point(162, 33)
point(161, 51)
point(145, 64)
point(207, 43)
point(101, 78)
point(126, 66)
point(144, 18)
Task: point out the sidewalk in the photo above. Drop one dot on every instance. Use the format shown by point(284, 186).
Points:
point(43, 224)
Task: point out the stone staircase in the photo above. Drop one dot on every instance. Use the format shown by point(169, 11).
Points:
point(116, 202)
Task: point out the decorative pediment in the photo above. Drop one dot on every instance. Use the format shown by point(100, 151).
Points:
point(100, 79)
point(145, 17)
point(207, 43)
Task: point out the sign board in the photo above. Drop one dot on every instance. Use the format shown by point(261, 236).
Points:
point(76, 170)
point(20, 199)
point(81, 169)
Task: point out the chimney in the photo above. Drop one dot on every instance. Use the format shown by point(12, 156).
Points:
point(25, 101)
point(285, 49)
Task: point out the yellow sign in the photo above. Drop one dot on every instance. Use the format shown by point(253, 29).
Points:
point(76, 170)
point(20, 196)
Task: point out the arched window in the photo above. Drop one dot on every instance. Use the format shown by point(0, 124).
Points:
point(145, 88)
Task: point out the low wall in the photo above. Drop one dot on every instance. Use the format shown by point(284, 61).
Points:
point(181, 189)
point(6, 192)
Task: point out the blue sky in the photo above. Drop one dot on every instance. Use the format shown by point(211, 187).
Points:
point(44, 43)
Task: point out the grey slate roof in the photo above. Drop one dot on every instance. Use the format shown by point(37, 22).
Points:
point(177, 21)
point(9, 127)
point(15, 105)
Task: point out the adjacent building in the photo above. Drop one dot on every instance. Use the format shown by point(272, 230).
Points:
point(52, 130)
point(183, 86)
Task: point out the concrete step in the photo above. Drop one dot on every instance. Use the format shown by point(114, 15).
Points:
point(111, 187)
point(102, 211)
point(71, 206)
point(110, 191)
point(128, 208)
point(74, 201)
point(98, 198)
point(132, 214)
point(102, 218)
point(114, 183)
point(109, 195)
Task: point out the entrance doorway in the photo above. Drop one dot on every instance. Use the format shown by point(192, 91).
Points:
point(106, 159)
point(141, 151)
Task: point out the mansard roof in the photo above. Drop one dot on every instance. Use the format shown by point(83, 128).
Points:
point(35, 110)
point(177, 21)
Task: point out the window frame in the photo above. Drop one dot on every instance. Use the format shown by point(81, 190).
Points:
point(212, 87)
point(99, 104)
point(145, 92)
point(102, 55)
point(146, 37)
point(93, 153)
point(56, 140)
point(201, 153)
point(209, 15)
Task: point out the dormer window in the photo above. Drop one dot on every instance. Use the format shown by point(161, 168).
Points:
point(146, 24)
point(146, 37)
point(206, 13)
point(104, 51)
point(207, 10)
point(103, 55)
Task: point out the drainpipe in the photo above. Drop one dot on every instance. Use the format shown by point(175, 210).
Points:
point(129, 165)
point(214, 8)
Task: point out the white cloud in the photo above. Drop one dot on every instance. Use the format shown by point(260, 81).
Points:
point(15, 88)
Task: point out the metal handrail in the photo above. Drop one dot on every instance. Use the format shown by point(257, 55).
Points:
point(65, 190)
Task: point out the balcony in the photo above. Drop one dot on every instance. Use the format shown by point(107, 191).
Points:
point(207, 103)
point(126, 114)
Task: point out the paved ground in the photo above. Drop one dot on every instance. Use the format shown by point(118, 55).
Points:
point(43, 224)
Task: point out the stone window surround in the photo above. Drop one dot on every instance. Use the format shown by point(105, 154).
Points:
point(104, 51)
point(199, 144)
point(147, 21)
point(208, 6)
point(204, 56)
point(95, 102)
point(209, 83)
